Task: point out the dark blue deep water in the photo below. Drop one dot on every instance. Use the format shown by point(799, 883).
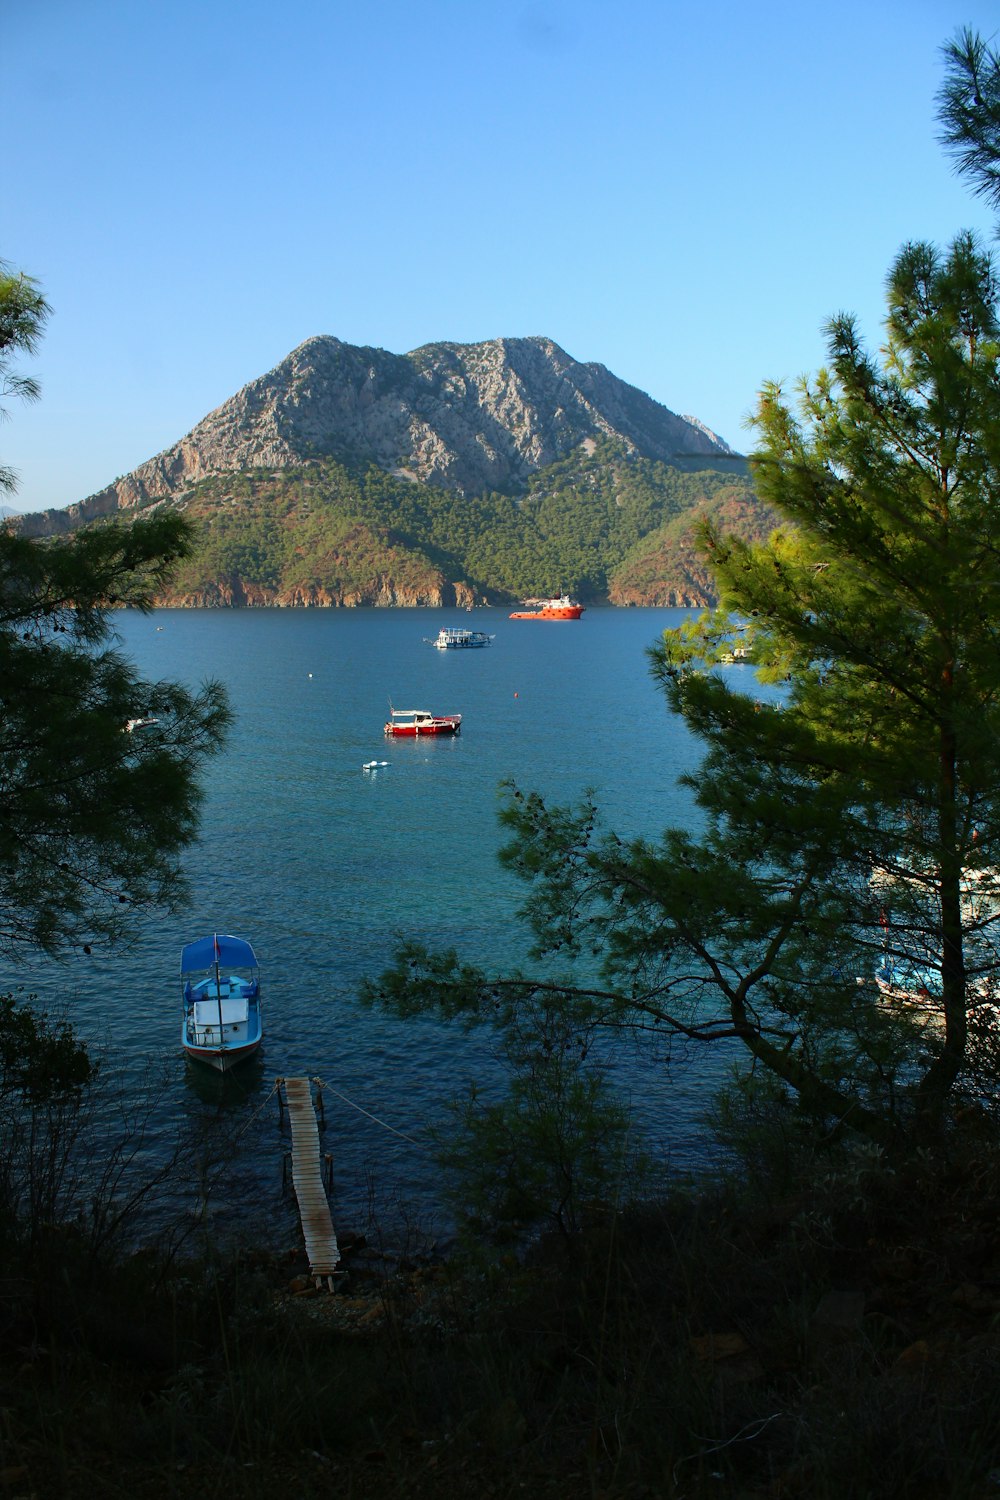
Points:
point(322, 866)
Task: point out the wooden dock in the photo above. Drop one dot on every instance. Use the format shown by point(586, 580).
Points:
point(307, 1178)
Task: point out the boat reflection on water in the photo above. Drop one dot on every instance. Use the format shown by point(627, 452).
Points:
point(232, 1127)
point(230, 1090)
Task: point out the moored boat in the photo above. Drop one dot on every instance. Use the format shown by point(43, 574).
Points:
point(455, 638)
point(418, 721)
point(899, 977)
point(563, 608)
point(220, 982)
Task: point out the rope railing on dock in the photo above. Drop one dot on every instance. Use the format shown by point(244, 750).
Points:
point(366, 1112)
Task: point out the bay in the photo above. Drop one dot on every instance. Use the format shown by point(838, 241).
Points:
point(323, 866)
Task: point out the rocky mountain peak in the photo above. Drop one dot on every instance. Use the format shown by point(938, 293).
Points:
point(466, 417)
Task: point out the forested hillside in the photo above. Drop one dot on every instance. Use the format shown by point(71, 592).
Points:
point(604, 523)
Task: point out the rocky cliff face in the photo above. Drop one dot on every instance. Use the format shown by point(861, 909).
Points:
point(467, 417)
point(380, 592)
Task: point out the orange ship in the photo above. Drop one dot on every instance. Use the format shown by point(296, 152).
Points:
point(563, 608)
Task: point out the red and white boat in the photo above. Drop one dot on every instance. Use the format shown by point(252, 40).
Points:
point(563, 608)
point(417, 721)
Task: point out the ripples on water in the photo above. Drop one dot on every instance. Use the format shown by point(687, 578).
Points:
point(322, 865)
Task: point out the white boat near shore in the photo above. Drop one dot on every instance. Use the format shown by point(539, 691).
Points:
point(220, 980)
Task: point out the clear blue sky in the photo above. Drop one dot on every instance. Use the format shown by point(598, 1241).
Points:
point(684, 193)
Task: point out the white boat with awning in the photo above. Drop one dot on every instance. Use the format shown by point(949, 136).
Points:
point(456, 638)
point(220, 982)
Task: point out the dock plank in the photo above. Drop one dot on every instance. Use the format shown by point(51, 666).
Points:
point(322, 1249)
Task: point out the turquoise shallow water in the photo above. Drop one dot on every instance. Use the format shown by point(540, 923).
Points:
point(322, 865)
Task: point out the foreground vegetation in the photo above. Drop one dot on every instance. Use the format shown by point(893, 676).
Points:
point(817, 1324)
point(808, 1318)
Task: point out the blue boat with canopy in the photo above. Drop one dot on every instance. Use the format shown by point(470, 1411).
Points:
point(220, 983)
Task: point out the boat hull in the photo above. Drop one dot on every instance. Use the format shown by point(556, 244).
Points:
point(453, 639)
point(412, 731)
point(409, 723)
point(563, 608)
point(222, 1059)
point(241, 1035)
point(573, 613)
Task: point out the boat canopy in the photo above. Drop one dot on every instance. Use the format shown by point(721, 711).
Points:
point(903, 974)
point(220, 948)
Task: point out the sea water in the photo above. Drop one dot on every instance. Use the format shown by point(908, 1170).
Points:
point(324, 866)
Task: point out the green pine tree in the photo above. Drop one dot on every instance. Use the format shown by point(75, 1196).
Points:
point(851, 803)
point(92, 817)
point(969, 111)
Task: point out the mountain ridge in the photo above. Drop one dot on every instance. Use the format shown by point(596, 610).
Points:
point(454, 474)
point(467, 417)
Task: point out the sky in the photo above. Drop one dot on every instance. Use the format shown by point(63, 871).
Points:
point(682, 193)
